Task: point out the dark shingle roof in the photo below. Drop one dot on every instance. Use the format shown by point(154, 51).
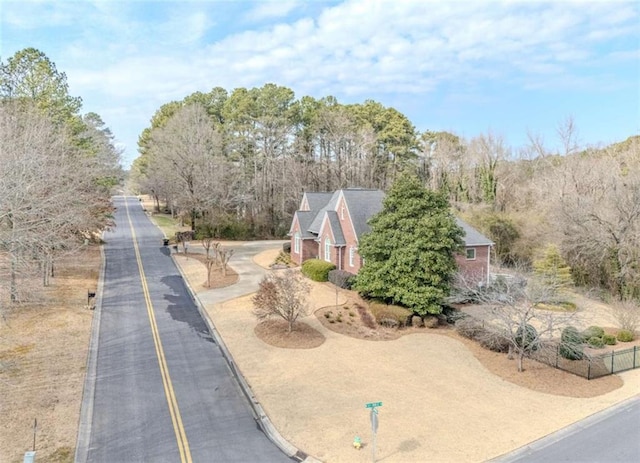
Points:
point(336, 228)
point(317, 200)
point(329, 206)
point(305, 218)
point(473, 237)
point(363, 204)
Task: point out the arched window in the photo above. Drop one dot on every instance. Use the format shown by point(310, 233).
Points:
point(352, 255)
point(327, 249)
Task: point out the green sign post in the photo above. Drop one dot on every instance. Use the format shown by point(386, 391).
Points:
point(373, 415)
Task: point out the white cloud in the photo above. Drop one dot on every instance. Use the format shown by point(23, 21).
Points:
point(355, 49)
point(271, 9)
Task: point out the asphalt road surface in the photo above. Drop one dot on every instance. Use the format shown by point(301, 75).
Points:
point(163, 391)
point(612, 436)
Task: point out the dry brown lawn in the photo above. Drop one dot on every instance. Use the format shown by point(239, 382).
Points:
point(537, 376)
point(43, 353)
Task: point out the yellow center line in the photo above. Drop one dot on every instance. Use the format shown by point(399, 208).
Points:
point(176, 419)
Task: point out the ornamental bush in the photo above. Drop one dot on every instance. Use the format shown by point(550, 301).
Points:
point(592, 332)
point(341, 278)
point(316, 269)
point(609, 340)
point(390, 312)
point(469, 327)
point(527, 339)
point(571, 344)
point(596, 342)
point(625, 336)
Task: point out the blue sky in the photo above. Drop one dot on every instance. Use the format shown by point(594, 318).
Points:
point(466, 67)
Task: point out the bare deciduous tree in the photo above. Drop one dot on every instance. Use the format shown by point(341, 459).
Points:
point(49, 198)
point(281, 295)
point(598, 210)
point(207, 242)
point(627, 314)
point(225, 255)
point(184, 151)
point(512, 314)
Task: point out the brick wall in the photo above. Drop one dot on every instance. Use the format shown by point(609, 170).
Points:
point(474, 269)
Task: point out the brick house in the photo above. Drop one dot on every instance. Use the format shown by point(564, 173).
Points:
point(328, 226)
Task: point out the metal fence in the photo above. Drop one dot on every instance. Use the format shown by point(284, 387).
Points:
point(595, 366)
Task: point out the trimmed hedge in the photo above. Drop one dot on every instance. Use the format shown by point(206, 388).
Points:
point(341, 278)
point(609, 340)
point(316, 269)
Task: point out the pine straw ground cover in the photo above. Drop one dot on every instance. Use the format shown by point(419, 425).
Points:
point(218, 280)
point(537, 376)
point(43, 353)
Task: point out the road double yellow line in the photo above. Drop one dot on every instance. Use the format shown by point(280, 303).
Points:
point(174, 411)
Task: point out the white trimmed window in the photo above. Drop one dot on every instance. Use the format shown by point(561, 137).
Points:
point(352, 255)
point(471, 253)
point(327, 249)
point(296, 243)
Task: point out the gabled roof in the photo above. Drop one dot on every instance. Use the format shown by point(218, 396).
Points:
point(316, 200)
point(304, 219)
point(336, 228)
point(328, 206)
point(473, 237)
point(362, 204)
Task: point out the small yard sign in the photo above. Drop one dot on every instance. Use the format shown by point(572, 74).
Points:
point(374, 404)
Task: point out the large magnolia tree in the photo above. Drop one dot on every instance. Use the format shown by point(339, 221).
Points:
point(410, 252)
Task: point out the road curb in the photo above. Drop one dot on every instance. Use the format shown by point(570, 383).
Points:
point(259, 414)
point(562, 433)
point(88, 392)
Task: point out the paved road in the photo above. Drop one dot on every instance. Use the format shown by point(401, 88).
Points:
point(163, 391)
point(609, 436)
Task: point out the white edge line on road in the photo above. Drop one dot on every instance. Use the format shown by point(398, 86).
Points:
point(85, 421)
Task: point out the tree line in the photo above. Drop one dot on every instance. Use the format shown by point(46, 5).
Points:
point(234, 165)
point(57, 169)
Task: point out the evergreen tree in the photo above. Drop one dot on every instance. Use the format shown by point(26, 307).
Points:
point(553, 270)
point(410, 252)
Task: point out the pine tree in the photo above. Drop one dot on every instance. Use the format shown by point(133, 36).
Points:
point(553, 270)
point(410, 252)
